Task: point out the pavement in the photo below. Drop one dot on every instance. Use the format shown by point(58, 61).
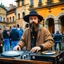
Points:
point(62, 46)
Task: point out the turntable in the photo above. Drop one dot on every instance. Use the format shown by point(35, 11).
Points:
point(48, 52)
point(50, 56)
point(10, 54)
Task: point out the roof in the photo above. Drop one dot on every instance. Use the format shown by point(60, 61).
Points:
point(2, 6)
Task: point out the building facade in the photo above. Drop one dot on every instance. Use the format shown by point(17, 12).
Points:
point(53, 13)
point(51, 10)
point(22, 9)
point(11, 17)
point(3, 17)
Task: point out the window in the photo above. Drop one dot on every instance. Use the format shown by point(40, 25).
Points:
point(18, 3)
point(13, 18)
point(18, 15)
point(0, 19)
point(23, 14)
point(10, 19)
point(40, 1)
point(31, 2)
point(22, 2)
point(49, 2)
point(4, 19)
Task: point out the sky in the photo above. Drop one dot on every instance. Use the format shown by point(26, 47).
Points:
point(7, 2)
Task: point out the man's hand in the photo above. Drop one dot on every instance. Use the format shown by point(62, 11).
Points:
point(17, 47)
point(35, 49)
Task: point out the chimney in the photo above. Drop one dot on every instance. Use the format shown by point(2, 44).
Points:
point(11, 6)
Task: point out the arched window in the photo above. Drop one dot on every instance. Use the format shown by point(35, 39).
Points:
point(13, 18)
point(10, 19)
point(0, 19)
point(4, 19)
point(18, 15)
point(23, 14)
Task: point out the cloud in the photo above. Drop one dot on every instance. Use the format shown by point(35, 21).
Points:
point(7, 2)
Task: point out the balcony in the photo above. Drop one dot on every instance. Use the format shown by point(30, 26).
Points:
point(39, 4)
point(10, 22)
point(49, 3)
point(61, 0)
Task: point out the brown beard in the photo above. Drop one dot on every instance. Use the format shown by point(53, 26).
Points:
point(34, 27)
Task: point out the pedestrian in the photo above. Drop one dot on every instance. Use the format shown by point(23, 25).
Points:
point(6, 36)
point(62, 37)
point(14, 37)
point(57, 39)
point(20, 31)
point(1, 41)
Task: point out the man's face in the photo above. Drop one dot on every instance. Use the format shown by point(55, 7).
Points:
point(33, 23)
point(33, 19)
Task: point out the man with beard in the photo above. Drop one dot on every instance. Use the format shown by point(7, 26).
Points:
point(36, 37)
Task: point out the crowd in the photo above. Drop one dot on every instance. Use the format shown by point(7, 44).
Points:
point(9, 37)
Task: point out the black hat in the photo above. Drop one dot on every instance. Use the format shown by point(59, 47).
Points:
point(33, 13)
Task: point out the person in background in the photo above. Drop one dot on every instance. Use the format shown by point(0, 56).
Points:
point(14, 37)
point(62, 37)
point(1, 40)
point(10, 28)
point(36, 37)
point(6, 36)
point(57, 39)
point(20, 31)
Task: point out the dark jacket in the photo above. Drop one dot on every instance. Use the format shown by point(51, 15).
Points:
point(57, 37)
point(14, 35)
point(5, 34)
